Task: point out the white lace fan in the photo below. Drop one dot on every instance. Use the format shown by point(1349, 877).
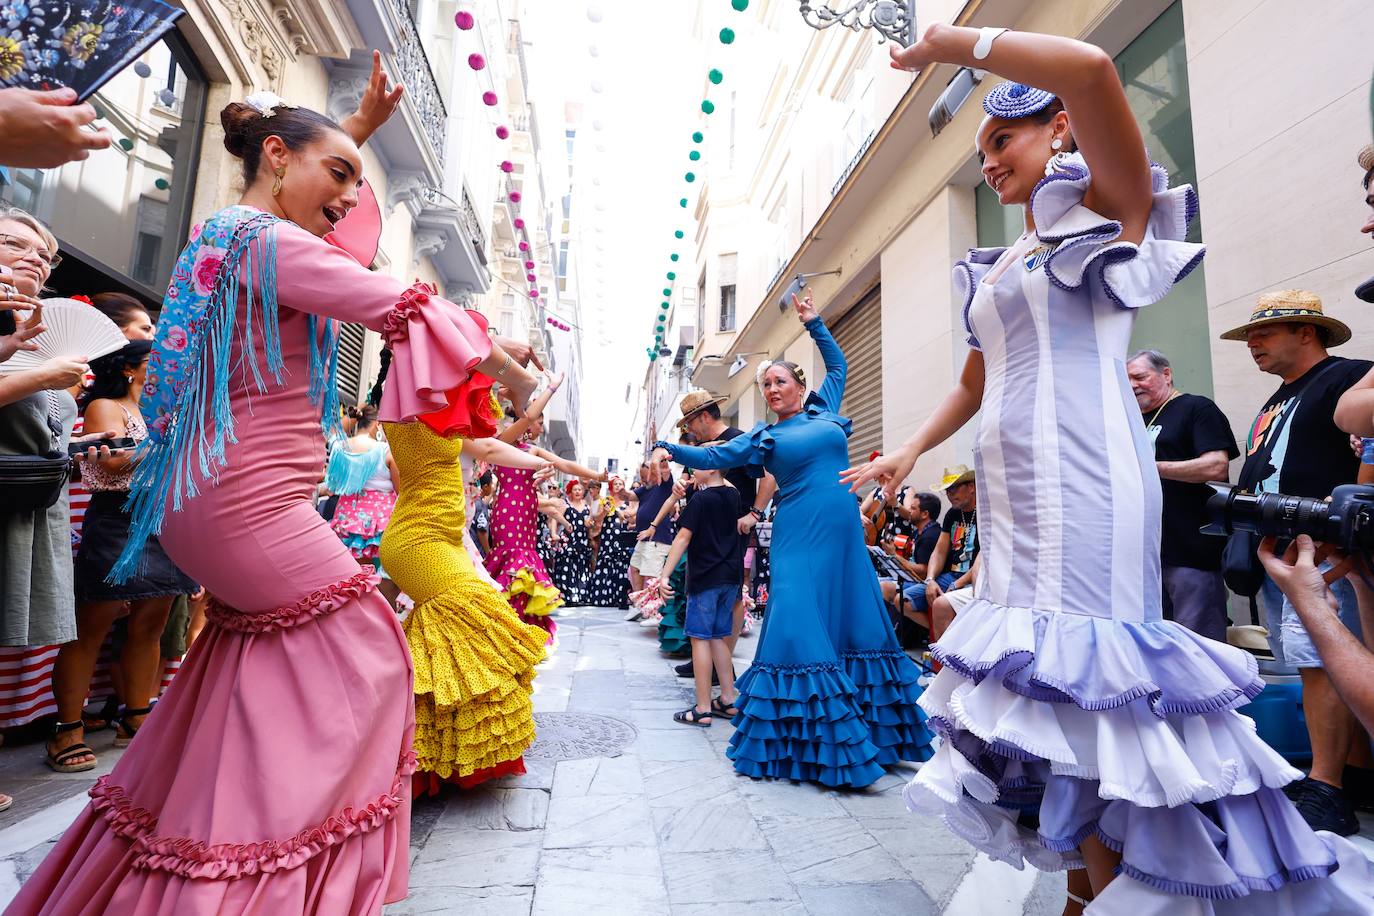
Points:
point(73, 329)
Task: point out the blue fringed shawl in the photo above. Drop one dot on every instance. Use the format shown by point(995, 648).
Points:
point(189, 370)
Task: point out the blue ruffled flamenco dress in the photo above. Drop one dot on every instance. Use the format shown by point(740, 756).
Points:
point(831, 697)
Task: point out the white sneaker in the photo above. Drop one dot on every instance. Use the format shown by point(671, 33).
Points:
point(650, 621)
point(633, 613)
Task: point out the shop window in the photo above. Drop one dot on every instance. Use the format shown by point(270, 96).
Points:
point(122, 215)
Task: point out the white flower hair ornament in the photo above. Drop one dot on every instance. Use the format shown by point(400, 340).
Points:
point(266, 103)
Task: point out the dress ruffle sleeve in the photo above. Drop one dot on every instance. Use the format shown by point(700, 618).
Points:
point(749, 451)
point(437, 345)
point(968, 273)
point(1088, 244)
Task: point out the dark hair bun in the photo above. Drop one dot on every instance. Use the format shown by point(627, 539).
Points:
point(236, 118)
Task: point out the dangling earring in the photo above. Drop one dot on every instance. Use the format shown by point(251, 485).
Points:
point(1057, 145)
point(276, 185)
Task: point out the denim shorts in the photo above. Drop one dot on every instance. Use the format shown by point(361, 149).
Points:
point(711, 613)
point(1294, 646)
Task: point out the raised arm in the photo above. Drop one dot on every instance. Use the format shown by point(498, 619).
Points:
point(517, 429)
point(836, 369)
point(571, 468)
point(1355, 409)
point(1084, 78)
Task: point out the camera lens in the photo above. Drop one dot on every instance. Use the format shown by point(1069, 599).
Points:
point(1269, 514)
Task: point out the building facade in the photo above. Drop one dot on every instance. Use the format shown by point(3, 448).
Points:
point(838, 169)
point(121, 216)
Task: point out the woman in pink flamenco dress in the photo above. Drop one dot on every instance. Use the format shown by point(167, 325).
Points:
point(274, 775)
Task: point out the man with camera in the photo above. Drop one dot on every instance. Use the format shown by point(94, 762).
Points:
point(1294, 447)
point(1193, 445)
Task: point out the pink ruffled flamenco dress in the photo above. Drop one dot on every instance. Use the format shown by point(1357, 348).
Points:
point(274, 775)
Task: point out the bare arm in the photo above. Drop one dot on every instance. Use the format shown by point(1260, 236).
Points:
point(394, 471)
point(105, 414)
point(1347, 662)
point(938, 556)
point(512, 433)
point(54, 374)
point(1355, 409)
point(1085, 79)
point(571, 468)
point(496, 451)
point(953, 412)
point(969, 577)
point(1204, 468)
point(675, 552)
point(378, 103)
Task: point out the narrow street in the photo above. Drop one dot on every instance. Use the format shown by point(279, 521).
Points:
point(625, 811)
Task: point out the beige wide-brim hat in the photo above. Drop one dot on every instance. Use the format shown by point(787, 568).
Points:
point(959, 473)
point(694, 402)
point(1291, 305)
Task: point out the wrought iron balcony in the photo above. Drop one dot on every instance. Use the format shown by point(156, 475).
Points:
point(414, 71)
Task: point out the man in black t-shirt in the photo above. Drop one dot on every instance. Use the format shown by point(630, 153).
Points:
point(1294, 447)
point(1193, 445)
point(951, 563)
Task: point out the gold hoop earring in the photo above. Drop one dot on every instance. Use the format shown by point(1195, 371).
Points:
point(276, 185)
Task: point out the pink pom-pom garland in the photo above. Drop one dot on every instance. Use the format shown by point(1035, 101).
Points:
point(508, 166)
point(515, 197)
point(502, 132)
point(464, 20)
point(489, 98)
point(519, 223)
point(477, 62)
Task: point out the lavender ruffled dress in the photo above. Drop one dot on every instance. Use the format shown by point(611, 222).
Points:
point(1068, 706)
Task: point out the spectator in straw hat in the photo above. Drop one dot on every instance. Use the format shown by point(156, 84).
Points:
point(701, 419)
point(1295, 447)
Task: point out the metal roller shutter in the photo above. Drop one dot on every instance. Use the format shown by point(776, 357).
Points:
point(859, 334)
point(351, 363)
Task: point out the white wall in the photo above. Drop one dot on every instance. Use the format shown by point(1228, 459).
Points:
point(1280, 100)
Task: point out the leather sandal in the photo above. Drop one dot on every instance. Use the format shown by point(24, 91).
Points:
point(124, 732)
point(61, 762)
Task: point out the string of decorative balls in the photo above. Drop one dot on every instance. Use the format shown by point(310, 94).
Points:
point(476, 62)
point(715, 77)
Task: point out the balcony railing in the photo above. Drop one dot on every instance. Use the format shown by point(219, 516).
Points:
point(848, 169)
point(414, 71)
point(516, 46)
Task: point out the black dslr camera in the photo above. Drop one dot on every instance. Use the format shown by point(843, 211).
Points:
point(1346, 522)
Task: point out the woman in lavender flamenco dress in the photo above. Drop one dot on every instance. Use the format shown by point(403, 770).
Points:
point(1081, 730)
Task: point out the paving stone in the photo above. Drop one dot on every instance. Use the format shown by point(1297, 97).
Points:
point(483, 901)
point(675, 745)
point(495, 808)
point(707, 827)
point(478, 858)
point(577, 882)
point(829, 850)
point(874, 803)
point(752, 908)
point(931, 856)
point(599, 820)
point(674, 784)
point(739, 877)
point(782, 798)
point(888, 898)
point(598, 776)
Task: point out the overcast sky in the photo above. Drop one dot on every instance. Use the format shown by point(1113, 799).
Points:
point(642, 57)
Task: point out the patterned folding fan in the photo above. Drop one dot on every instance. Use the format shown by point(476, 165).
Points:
point(80, 44)
point(73, 329)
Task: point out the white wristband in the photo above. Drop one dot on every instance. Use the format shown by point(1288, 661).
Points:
point(987, 35)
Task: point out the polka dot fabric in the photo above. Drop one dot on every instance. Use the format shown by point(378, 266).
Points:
point(514, 559)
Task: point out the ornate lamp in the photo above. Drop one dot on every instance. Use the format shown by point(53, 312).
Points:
point(894, 19)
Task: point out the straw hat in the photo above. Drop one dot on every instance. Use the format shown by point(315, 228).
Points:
point(959, 473)
point(1291, 305)
point(694, 402)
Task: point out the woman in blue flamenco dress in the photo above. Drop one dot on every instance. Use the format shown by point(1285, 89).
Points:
point(1081, 729)
point(831, 696)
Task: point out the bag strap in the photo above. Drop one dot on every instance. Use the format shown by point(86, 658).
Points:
point(54, 420)
point(1288, 414)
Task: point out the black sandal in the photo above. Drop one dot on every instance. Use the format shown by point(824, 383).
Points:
point(719, 708)
point(61, 761)
point(690, 716)
point(124, 732)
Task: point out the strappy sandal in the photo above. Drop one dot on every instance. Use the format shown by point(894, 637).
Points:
point(690, 716)
point(719, 708)
point(124, 732)
point(99, 718)
point(61, 762)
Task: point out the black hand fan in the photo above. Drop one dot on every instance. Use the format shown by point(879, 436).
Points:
point(76, 44)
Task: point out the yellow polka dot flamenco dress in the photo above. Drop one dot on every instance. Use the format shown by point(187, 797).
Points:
point(474, 658)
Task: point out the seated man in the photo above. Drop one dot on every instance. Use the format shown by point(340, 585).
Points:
point(944, 608)
point(951, 562)
point(923, 510)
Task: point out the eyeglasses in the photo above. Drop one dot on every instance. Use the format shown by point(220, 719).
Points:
point(20, 248)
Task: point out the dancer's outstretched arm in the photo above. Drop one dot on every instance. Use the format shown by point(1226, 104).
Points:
point(494, 451)
point(517, 429)
point(954, 411)
point(571, 468)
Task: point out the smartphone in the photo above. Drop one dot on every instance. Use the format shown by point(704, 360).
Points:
point(7, 323)
point(79, 448)
point(795, 288)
